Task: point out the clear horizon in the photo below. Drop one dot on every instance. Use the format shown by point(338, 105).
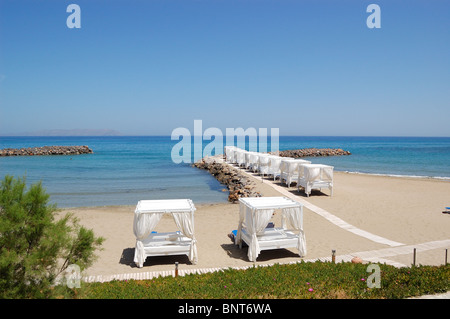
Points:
point(145, 68)
point(285, 135)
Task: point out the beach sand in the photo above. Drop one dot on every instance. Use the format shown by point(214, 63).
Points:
point(405, 210)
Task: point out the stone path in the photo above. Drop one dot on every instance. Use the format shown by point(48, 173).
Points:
point(332, 218)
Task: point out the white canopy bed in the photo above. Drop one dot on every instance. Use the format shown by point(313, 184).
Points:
point(240, 157)
point(254, 216)
point(316, 176)
point(247, 157)
point(263, 164)
point(148, 243)
point(289, 170)
point(274, 166)
point(254, 161)
point(230, 152)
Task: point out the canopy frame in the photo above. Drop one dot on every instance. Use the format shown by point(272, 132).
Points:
point(255, 214)
point(148, 243)
point(316, 176)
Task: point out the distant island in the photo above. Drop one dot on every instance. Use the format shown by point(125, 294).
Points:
point(72, 132)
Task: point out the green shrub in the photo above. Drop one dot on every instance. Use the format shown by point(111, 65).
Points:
point(318, 280)
point(35, 247)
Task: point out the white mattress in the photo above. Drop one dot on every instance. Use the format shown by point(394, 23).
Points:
point(166, 239)
point(161, 244)
point(273, 238)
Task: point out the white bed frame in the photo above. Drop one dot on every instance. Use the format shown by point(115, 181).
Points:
point(164, 244)
point(272, 238)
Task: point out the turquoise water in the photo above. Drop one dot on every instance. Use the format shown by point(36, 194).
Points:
point(409, 156)
point(124, 170)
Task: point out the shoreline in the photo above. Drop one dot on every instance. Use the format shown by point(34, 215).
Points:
point(420, 177)
point(410, 177)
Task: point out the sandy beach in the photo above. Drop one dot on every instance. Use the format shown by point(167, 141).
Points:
point(406, 212)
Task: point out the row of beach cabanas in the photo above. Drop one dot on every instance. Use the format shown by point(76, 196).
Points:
point(288, 170)
point(254, 212)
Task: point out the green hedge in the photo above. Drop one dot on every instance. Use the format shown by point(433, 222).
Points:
point(316, 280)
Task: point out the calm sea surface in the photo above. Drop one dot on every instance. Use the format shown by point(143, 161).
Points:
point(124, 170)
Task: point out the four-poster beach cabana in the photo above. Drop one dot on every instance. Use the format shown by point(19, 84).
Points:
point(254, 216)
point(148, 243)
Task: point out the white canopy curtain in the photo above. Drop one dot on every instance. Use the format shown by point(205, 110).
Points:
point(247, 159)
point(143, 225)
point(319, 172)
point(264, 161)
point(230, 154)
point(184, 222)
point(254, 159)
point(240, 157)
point(255, 222)
point(290, 169)
point(293, 215)
point(256, 212)
point(274, 166)
point(149, 212)
point(284, 168)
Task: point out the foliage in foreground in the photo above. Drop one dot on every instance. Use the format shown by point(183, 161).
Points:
point(303, 280)
point(35, 247)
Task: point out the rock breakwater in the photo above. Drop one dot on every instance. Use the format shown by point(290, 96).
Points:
point(46, 150)
point(240, 185)
point(313, 152)
point(237, 184)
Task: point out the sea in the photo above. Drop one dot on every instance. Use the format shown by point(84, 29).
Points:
point(125, 169)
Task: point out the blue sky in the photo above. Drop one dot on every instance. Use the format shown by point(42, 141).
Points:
point(148, 67)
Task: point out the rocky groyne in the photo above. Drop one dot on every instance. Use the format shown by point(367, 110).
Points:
point(237, 184)
point(313, 152)
point(46, 150)
point(240, 185)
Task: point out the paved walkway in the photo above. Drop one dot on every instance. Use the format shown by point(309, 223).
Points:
point(445, 295)
point(330, 217)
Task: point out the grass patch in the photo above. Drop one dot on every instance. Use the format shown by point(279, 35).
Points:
point(318, 280)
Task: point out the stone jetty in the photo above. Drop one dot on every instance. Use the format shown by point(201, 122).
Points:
point(313, 152)
point(237, 184)
point(46, 150)
point(240, 185)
